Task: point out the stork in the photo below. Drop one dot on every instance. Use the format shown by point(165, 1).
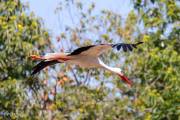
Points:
point(86, 57)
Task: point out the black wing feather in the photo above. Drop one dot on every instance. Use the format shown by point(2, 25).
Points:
point(129, 47)
point(134, 46)
point(119, 47)
point(81, 49)
point(126, 47)
point(42, 65)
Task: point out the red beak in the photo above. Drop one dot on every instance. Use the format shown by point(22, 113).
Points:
point(125, 79)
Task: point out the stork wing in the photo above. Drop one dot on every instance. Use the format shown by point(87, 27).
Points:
point(92, 50)
point(96, 50)
point(42, 65)
point(125, 46)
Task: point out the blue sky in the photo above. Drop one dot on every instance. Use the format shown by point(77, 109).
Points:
point(46, 10)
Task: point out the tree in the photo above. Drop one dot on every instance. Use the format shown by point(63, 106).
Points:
point(108, 100)
point(154, 67)
point(20, 35)
point(157, 91)
point(69, 92)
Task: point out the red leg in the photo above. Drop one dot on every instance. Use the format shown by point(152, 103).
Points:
point(35, 57)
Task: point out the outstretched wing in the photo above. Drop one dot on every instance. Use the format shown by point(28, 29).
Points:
point(81, 50)
point(92, 50)
point(96, 50)
point(42, 65)
point(125, 46)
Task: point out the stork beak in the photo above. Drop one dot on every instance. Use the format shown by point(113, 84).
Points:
point(125, 79)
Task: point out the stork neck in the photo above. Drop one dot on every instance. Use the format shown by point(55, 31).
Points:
point(103, 65)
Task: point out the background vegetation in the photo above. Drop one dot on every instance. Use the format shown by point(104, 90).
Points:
point(68, 92)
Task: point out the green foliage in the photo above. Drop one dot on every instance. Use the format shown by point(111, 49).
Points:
point(20, 35)
point(154, 66)
point(157, 66)
point(68, 92)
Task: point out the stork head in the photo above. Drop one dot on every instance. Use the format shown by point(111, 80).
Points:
point(123, 77)
point(117, 70)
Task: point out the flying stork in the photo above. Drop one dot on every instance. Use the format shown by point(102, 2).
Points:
point(87, 57)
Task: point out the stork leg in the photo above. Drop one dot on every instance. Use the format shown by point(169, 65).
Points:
point(36, 57)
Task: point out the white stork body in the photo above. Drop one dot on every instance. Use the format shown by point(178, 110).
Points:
point(84, 61)
point(86, 57)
